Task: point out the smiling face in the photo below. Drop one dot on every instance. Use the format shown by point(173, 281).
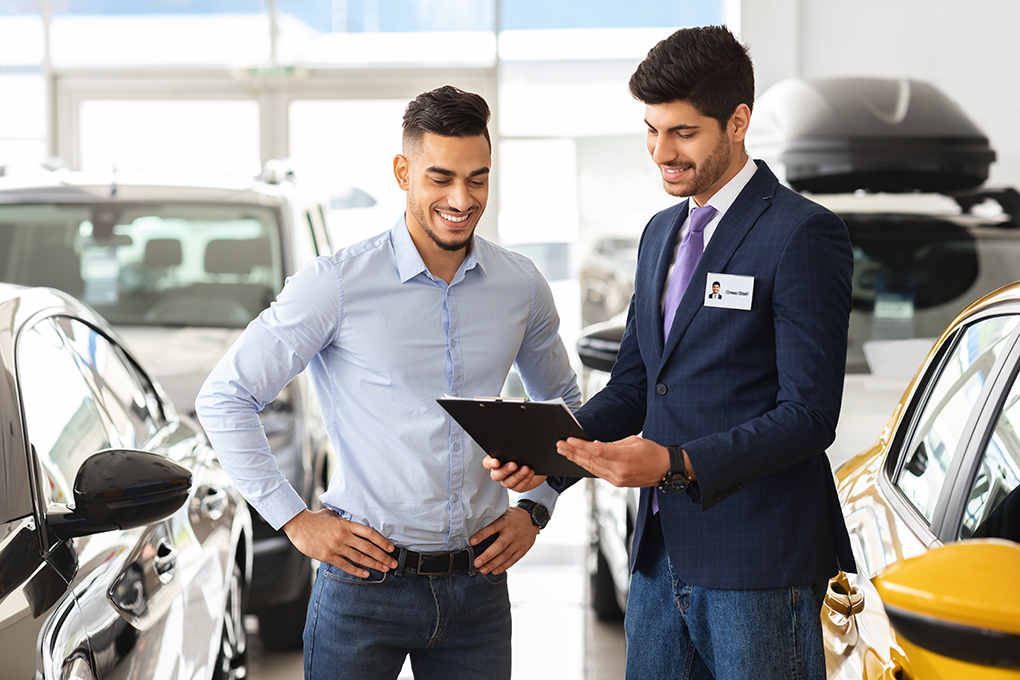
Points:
point(447, 185)
point(696, 157)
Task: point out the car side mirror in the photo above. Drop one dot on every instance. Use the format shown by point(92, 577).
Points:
point(122, 489)
point(960, 600)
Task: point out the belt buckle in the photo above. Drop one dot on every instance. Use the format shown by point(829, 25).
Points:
point(449, 566)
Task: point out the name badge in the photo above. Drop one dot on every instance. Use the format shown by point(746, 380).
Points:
point(729, 291)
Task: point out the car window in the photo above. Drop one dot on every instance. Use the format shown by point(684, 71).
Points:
point(62, 414)
point(993, 505)
point(129, 398)
point(949, 400)
point(913, 274)
point(168, 263)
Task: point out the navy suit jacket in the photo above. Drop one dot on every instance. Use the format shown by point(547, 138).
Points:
point(752, 395)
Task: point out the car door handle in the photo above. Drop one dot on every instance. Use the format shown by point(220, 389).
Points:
point(214, 503)
point(165, 560)
point(842, 598)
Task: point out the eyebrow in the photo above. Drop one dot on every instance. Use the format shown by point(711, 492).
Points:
point(682, 126)
point(450, 173)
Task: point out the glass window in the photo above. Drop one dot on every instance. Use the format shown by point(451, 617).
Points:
point(157, 32)
point(169, 264)
point(129, 398)
point(64, 419)
point(204, 135)
point(948, 404)
point(365, 198)
point(993, 507)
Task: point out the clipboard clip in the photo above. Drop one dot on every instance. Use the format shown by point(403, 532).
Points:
point(511, 400)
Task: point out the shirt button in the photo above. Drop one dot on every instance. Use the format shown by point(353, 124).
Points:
point(456, 447)
point(456, 498)
point(660, 388)
point(453, 343)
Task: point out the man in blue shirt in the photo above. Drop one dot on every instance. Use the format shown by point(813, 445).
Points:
point(415, 538)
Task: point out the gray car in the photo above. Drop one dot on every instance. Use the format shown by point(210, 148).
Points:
point(179, 264)
point(125, 549)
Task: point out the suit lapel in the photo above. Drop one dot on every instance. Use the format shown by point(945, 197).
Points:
point(665, 258)
point(728, 236)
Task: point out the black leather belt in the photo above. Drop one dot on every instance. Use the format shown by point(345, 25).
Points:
point(439, 563)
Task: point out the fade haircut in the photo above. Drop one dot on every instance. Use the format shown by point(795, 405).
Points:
point(704, 66)
point(446, 111)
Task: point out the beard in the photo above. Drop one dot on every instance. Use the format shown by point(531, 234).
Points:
point(449, 246)
point(703, 177)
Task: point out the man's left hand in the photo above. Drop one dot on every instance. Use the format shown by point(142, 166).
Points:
point(630, 462)
point(517, 534)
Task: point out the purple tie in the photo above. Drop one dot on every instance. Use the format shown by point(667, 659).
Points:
point(691, 248)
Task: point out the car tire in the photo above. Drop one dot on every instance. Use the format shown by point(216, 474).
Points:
point(282, 626)
point(601, 590)
point(232, 661)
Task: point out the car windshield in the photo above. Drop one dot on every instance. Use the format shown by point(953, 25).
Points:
point(913, 274)
point(148, 264)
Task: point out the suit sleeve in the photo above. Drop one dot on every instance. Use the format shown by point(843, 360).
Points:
point(811, 300)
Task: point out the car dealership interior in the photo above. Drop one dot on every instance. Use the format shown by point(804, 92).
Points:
point(307, 96)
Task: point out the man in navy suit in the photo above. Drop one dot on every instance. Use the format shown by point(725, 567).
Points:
point(739, 527)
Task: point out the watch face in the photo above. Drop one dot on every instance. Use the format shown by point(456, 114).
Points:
point(673, 484)
point(540, 516)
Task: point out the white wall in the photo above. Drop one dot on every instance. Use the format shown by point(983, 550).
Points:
point(967, 49)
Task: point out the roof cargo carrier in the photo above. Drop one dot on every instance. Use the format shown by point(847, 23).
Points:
point(845, 134)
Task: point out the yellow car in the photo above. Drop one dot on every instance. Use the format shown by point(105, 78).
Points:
point(933, 511)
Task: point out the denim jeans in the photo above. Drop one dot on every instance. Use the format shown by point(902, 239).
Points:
point(455, 626)
point(683, 632)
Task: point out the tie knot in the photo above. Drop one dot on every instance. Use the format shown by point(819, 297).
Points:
point(700, 217)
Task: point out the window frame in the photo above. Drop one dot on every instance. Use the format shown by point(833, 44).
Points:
point(948, 511)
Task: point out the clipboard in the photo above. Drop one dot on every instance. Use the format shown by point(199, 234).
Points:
point(520, 430)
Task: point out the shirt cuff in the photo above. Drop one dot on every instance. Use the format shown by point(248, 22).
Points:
point(281, 506)
point(543, 494)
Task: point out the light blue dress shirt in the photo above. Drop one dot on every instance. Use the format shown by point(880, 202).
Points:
point(383, 339)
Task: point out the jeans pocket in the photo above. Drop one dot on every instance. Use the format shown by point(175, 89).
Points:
point(494, 580)
point(374, 578)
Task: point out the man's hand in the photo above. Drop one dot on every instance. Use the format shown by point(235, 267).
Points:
point(632, 461)
point(346, 545)
point(517, 534)
point(516, 479)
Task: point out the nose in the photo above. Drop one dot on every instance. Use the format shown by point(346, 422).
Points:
point(459, 197)
point(661, 149)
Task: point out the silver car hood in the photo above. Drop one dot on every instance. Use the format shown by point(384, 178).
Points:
point(179, 358)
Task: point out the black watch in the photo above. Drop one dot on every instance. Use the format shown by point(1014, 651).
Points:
point(676, 479)
point(539, 513)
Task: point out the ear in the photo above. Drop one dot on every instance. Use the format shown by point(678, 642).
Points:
point(402, 171)
point(737, 126)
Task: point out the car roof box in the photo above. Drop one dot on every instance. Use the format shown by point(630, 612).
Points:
point(844, 134)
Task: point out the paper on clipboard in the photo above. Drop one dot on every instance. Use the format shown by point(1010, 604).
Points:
point(520, 430)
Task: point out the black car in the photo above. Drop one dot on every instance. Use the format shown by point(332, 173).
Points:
point(125, 549)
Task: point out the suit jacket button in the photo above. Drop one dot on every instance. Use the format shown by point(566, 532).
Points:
point(718, 496)
point(660, 388)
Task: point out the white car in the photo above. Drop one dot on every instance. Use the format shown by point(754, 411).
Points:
point(179, 264)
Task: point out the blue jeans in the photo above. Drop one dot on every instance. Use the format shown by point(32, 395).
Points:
point(683, 632)
point(455, 626)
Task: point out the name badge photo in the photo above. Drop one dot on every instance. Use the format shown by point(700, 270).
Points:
point(729, 291)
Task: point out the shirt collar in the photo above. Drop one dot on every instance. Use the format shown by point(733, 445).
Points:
point(409, 262)
point(724, 198)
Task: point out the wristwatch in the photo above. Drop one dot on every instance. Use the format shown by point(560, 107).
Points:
point(676, 479)
point(539, 513)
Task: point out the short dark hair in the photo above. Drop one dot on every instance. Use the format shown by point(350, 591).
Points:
point(704, 66)
point(446, 111)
